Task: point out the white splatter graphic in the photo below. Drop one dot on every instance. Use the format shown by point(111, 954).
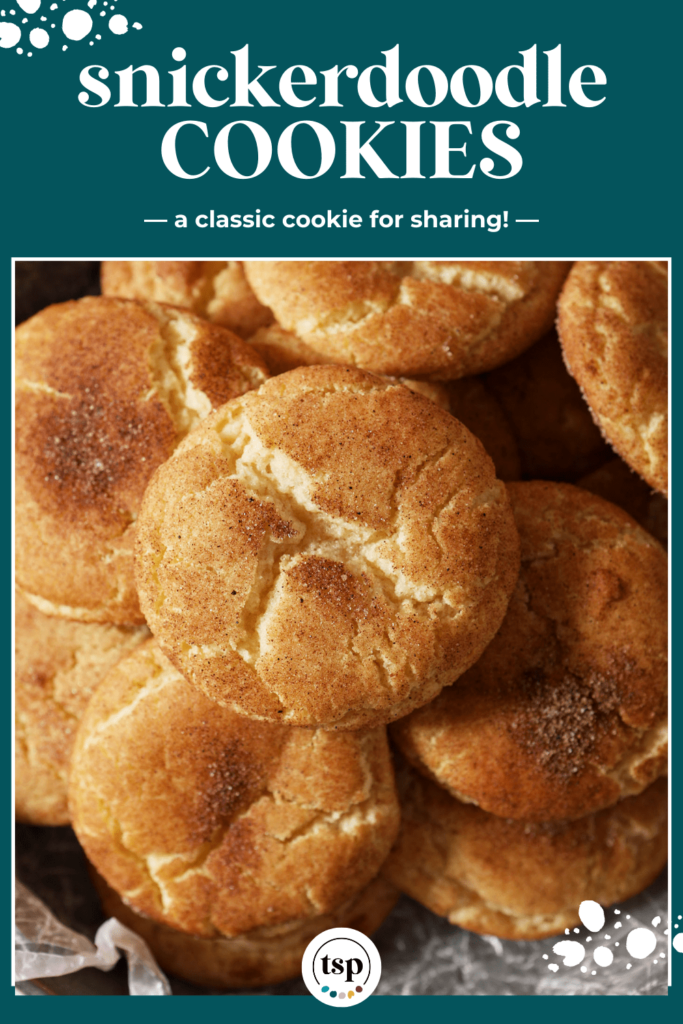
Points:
point(603, 956)
point(76, 25)
point(640, 943)
point(118, 25)
point(30, 6)
point(656, 921)
point(39, 38)
point(553, 967)
point(137, 25)
point(10, 34)
point(678, 942)
point(573, 952)
point(592, 915)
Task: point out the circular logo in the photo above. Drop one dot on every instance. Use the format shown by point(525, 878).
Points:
point(341, 967)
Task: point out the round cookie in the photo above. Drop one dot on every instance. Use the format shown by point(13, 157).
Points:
point(330, 550)
point(518, 880)
point(105, 390)
point(615, 482)
point(264, 956)
point(566, 711)
point(214, 289)
point(217, 825)
point(555, 433)
point(58, 665)
point(442, 319)
point(613, 325)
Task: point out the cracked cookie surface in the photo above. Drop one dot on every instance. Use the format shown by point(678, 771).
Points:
point(216, 824)
point(566, 711)
point(105, 390)
point(519, 880)
point(330, 550)
point(214, 289)
point(441, 319)
point(58, 665)
point(614, 328)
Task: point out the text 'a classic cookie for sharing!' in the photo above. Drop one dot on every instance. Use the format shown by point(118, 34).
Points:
point(330, 550)
point(566, 711)
point(105, 390)
point(440, 319)
point(219, 826)
point(614, 327)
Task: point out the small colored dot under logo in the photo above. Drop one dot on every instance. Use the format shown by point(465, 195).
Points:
point(341, 995)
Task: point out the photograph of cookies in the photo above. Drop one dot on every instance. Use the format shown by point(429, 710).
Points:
point(342, 602)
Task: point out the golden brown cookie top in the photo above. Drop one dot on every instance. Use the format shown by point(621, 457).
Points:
point(565, 712)
point(555, 433)
point(58, 665)
point(105, 389)
point(330, 550)
point(215, 824)
point(214, 289)
point(519, 880)
point(433, 318)
point(613, 324)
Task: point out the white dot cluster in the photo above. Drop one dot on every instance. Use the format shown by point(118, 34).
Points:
point(76, 24)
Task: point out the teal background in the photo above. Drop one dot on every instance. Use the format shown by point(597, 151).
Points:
point(79, 182)
point(604, 182)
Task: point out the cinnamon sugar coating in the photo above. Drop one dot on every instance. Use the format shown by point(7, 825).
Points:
point(217, 825)
point(613, 325)
point(105, 390)
point(566, 711)
point(441, 319)
point(330, 550)
point(214, 289)
point(519, 880)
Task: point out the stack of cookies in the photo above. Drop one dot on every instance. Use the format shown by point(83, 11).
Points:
point(261, 517)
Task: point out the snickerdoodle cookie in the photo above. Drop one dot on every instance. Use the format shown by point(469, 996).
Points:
point(565, 712)
point(218, 825)
point(617, 483)
point(331, 550)
point(263, 956)
point(214, 289)
point(613, 324)
point(519, 880)
point(105, 390)
point(58, 665)
point(427, 318)
point(555, 433)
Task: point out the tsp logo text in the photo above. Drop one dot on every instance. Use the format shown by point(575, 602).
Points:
point(341, 967)
point(353, 966)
